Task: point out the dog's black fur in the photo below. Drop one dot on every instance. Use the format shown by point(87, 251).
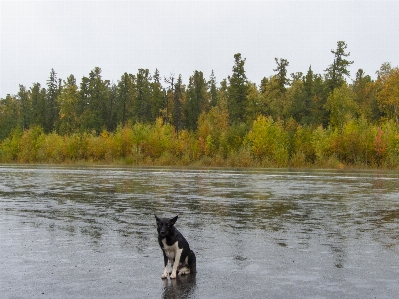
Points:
point(175, 248)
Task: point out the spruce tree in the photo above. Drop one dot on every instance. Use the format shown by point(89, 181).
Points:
point(38, 99)
point(237, 90)
point(197, 101)
point(337, 71)
point(25, 104)
point(143, 96)
point(212, 90)
point(125, 97)
point(177, 107)
point(281, 75)
point(53, 90)
point(157, 96)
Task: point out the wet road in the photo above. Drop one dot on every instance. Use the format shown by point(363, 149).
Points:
point(90, 233)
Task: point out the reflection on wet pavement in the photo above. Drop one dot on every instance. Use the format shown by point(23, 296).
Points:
point(182, 287)
point(90, 232)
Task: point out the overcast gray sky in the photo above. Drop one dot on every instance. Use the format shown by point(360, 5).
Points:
point(180, 37)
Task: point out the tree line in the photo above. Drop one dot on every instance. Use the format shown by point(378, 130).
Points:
point(299, 119)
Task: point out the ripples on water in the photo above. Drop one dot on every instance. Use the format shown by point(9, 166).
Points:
point(253, 231)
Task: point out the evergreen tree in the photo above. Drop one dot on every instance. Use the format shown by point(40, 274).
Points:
point(385, 69)
point(237, 90)
point(177, 104)
point(38, 99)
point(95, 92)
point(157, 96)
point(222, 97)
point(126, 94)
point(299, 101)
point(169, 99)
point(10, 114)
point(84, 100)
point(263, 85)
point(112, 105)
point(281, 75)
point(337, 71)
point(212, 90)
point(254, 105)
point(53, 90)
point(306, 99)
point(197, 101)
point(364, 88)
point(308, 82)
point(142, 107)
point(26, 107)
point(68, 101)
point(319, 114)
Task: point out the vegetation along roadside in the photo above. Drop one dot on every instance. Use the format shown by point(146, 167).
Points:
point(301, 120)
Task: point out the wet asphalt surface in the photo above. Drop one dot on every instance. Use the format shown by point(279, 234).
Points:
point(91, 233)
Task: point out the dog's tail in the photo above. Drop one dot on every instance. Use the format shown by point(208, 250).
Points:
point(192, 262)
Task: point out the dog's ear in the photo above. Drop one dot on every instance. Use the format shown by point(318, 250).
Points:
point(157, 219)
point(173, 220)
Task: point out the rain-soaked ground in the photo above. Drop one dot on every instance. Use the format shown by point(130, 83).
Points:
point(90, 233)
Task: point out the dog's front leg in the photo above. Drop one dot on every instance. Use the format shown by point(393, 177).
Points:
point(176, 263)
point(165, 271)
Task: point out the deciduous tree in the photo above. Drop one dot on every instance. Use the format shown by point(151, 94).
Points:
point(388, 95)
point(342, 106)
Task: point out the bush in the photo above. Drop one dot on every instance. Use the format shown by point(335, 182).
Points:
point(30, 143)
point(10, 146)
point(268, 140)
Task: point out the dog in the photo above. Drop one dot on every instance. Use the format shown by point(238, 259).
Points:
point(175, 248)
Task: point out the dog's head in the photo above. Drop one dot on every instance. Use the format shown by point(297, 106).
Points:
point(165, 225)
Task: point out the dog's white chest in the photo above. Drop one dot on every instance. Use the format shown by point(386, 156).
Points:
point(170, 251)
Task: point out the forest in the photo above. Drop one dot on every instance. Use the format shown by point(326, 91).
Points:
point(287, 120)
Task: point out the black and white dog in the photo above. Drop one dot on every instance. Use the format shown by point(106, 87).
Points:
point(175, 248)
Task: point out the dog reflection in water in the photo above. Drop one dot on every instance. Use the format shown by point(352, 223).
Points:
point(182, 287)
point(175, 248)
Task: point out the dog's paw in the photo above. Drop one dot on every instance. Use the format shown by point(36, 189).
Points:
point(164, 275)
point(173, 275)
